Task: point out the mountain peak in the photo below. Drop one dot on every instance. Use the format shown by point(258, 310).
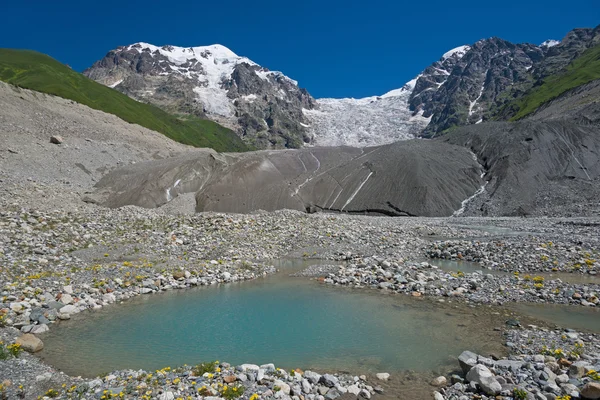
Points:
point(182, 54)
point(459, 52)
point(550, 43)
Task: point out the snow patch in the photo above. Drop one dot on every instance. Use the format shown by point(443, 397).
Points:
point(474, 102)
point(356, 191)
point(115, 84)
point(550, 43)
point(459, 51)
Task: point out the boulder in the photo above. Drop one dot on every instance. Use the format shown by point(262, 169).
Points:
point(329, 380)
point(591, 391)
point(312, 377)
point(467, 360)
point(30, 343)
point(439, 381)
point(383, 376)
point(55, 139)
point(285, 388)
point(481, 375)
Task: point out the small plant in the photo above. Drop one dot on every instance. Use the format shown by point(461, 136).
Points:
point(52, 393)
point(203, 391)
point(565, 397)
point(201, 369)
point(578, 350)
point(231, 392)
point(519, 394)
point(595, 375)
point(14, 349)
point(254, 396)
point(538, 279)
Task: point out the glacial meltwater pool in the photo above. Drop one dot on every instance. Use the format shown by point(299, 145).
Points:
point(292, 322)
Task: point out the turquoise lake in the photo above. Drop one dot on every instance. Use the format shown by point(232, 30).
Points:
point(292, 322)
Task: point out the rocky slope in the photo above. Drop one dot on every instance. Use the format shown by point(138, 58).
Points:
point(94, 142)
point(535, 168)
point(264, 107)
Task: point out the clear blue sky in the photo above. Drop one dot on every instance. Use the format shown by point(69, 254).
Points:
point(333, 48)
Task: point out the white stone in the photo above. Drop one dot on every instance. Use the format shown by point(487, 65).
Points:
point(70, 309)
point(354, 389)
point(109, 298)
point(285, 388)
point(40, 329)
point(166, 396)
point(68, 289)
point(66, 299)
point(484, 377)
point(383, 376)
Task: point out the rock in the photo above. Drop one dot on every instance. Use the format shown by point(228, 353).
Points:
point(467, 360)
point(383, 376)
point(166, 396)
point(37, 329)
point(306, 386)
point(55, 139)
point(481, 375)
point(312, 377)
point(576, 371)
point(68, 289)
point(17, 307)
point(70, 309)
point(178, 275)
point(229, 378)
point(591, 391)
point(66, 299)
point(30, 343)
point(109, 298)
point(364, 393)
point(249, 367)
point(285, 388)
point(329, 380)
point(354, 389)
point(439, 381)
point(322, 390)
point(438, 396)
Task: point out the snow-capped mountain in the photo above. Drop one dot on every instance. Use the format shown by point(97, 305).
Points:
point(467, 85)
point(397, 115)
point(263, 106)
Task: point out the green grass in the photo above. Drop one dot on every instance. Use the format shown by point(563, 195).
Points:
point(39, 72)
point(583, 69)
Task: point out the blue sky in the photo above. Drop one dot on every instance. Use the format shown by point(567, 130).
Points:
point(333, 48)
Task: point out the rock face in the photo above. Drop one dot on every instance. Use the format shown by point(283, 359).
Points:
point(535, 168)
point(265, 107)
point(30, 343)
point(405, 178)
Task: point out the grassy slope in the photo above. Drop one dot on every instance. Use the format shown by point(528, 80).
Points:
point(582, 70)
point(39, 72)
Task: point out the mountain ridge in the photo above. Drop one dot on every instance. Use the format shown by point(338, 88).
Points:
point(467, 85)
